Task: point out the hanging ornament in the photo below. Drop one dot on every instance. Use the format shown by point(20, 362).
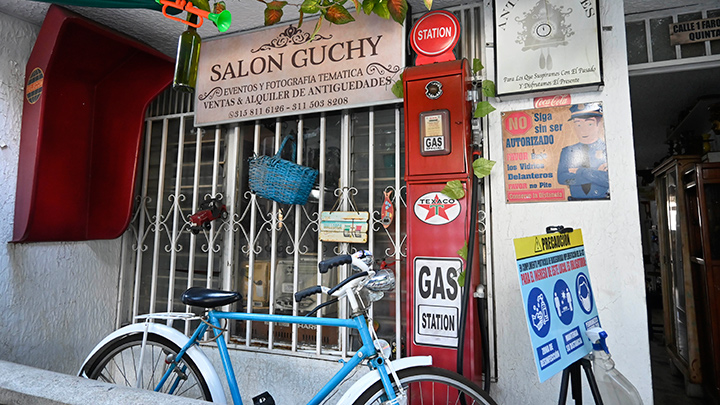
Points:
point(388, 211)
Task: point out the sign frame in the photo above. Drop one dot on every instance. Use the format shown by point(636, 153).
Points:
point(541, 147)
point(554, 265)
point(252, 75)
point(440, 339)
point(344, 226)
point(518, 31)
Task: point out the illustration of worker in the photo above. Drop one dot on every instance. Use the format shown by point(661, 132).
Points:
point(583, 166)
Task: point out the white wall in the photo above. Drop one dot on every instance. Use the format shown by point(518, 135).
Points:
point(44, 286)
point(611, 232)
point(62, 294)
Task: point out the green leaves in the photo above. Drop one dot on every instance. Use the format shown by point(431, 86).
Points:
point(381, 9)
point(482, 167)
point(477, 66)
point(463, 251)
point(488, 88)
point(454, 189)
point(274, 12)
point(368, 6)
point(337, 14)
point(483, 108)
point(310, 7)
point(463, 254)
point(428, 4)
point(398, 10)
point(397, 88)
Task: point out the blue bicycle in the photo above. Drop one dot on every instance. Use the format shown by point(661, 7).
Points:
point(154, 356)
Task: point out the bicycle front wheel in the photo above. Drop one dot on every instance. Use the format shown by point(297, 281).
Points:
point(430, 385)
point(118, 362)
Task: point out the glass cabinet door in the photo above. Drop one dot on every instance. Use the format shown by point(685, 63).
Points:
point(677, 275)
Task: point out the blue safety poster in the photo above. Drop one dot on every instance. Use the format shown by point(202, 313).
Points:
point(558, 299)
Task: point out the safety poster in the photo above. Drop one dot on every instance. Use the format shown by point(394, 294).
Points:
point(558, 298)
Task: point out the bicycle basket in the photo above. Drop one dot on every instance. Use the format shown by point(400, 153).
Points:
point(281, 180)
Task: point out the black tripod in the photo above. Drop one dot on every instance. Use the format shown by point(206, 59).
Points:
point(572, 374)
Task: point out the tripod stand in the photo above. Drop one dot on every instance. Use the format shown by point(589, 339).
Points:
point(572, 374)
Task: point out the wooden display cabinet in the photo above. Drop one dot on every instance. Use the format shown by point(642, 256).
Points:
point(702, 193)
point(679, 303)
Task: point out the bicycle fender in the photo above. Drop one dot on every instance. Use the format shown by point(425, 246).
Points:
point(373, 376)
point(200, 359)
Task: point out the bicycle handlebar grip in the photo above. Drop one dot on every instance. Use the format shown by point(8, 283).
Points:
point(326, 265)
point(307, 292)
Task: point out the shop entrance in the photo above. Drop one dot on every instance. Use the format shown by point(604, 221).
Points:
point(674, 91)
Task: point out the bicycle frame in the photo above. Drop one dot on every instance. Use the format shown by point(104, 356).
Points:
point(358, 322)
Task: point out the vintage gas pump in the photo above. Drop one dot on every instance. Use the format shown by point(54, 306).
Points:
point(438, 143)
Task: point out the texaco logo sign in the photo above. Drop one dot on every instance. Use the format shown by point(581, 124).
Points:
point(436, 208)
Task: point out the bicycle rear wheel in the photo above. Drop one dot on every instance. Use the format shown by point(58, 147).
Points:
point(118, 362)
point(430, 385)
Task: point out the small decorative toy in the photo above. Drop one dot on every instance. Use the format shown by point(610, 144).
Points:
point(222, 20)
point(388, 211)
point(210, 210)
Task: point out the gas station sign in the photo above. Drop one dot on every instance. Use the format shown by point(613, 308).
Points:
point(434, 36)
point(437, 301)
point(557, 298)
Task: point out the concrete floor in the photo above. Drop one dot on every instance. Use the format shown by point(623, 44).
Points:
point(668, 385)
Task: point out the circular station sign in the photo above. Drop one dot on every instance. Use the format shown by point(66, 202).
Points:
point(435, 33)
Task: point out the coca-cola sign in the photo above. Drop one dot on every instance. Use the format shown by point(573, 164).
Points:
point(552, 101)
point(435, 33)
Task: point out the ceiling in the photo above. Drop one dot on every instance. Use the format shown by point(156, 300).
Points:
point(161, 33)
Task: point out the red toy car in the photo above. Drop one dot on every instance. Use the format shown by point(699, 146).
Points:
point(210, 210)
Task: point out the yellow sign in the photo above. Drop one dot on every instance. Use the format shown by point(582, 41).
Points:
point(551, 242)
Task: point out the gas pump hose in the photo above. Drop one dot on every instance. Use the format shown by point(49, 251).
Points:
point(465, 298)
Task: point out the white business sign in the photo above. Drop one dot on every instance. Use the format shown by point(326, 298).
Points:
point(279, 71)
point(547, 47)
point(437, 301)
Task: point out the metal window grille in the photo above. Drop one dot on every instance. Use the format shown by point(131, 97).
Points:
point(266, 250)
point(648, 41)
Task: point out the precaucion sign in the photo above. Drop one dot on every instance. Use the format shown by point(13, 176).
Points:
point(558, 299)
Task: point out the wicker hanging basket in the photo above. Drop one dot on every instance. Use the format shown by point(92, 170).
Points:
point(281, 180)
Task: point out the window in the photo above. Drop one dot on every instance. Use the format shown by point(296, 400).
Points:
point(648, 40)
point(263, 249)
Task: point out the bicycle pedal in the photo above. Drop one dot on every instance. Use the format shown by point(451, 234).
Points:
point(264, 399)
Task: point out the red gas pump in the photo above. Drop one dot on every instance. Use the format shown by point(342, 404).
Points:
point(438, 149)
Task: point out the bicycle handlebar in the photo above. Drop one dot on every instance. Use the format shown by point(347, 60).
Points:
point(307, 292)
point(326, 265)
point(347, 280)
